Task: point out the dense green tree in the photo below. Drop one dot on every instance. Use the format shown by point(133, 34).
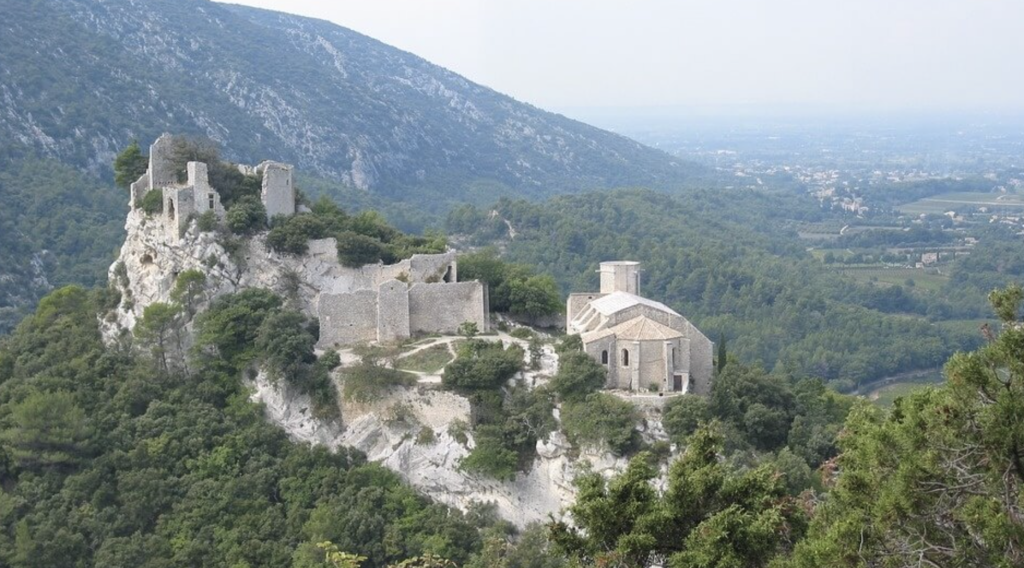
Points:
point(578, 375)
point(482, 365)
point(246, 216)
point(158, 327)
point(285, 344)
point(189, 288)
point(938, 480)
point(684, 414)
point(708, 517)
point(129, 165)
point(232, 323)
point(118, 466)
point(514, 288)
point(534, 297)
point(47, 429)
point(601, 419)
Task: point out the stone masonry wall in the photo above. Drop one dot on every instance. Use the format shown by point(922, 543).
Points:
point(278, 193)
point(576, 303)
point(161, 169)
point(347, 318)
point(442, 308)
point(392, 311)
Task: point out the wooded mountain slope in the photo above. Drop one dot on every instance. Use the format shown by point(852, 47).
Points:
point(80, 78)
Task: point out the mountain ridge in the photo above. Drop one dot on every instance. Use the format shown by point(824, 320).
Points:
point(331, 100)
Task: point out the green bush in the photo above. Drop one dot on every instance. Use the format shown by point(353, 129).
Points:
point(490, 457)
point(522, 333)
point(602, 418)
point(246, 216)
point(684, 414)
point(514, 288)
point(482, 365)
point(207, 222)
point(356, 250)
point(578, 375)
point(152, 203)
point(292, 234)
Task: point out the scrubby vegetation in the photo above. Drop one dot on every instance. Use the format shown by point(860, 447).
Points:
point(108, 461)
point(513, 288)
point(364, 238)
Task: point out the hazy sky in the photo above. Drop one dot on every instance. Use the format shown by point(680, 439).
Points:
point(571, 54)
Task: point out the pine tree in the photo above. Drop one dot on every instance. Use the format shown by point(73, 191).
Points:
point(129, 165)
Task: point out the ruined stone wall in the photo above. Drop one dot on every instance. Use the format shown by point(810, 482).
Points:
point(337, 279)
point(139, 189)
point(278, 194)
point(347, 318)
point(161, 169)
point(393, 311)
point(179, 206)
point(205, 196)
point(442, 308)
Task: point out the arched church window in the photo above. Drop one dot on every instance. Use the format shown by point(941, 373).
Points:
point(604, 357)
point(625, 357)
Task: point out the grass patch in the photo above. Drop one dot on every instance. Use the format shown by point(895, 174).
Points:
point(429, 360)
point(923, 279)
point(364, 383)
point(885, 396)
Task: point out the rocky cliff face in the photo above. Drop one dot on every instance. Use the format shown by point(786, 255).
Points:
point(432, 466)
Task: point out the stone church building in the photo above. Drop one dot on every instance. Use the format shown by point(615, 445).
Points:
point(645, 345)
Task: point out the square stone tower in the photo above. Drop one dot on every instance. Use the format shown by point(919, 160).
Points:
point(278, 194)
point(620, 276)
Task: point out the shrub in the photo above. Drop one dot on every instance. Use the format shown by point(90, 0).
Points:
point(482, 365)
point(292, 235)
point(522, 333)
point(490, 457)
point(207, 222)
point(570, 344)
point(426, 436)
point(356, 250)
point(684, 414)
point(152, 203)
point(246, 216)
point(602, 418)
point(578, 375)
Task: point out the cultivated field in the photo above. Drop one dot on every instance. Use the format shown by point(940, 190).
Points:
point(939, 204)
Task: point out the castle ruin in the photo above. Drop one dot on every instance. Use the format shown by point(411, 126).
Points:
point(375, 302)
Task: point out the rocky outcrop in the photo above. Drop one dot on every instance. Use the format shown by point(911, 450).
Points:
point(418, 432)
point(389, 432)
